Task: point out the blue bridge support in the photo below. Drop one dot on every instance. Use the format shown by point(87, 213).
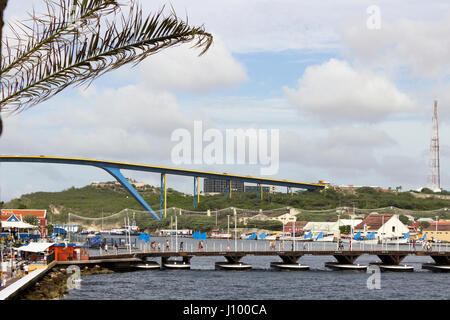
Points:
point(196, 191)
point(163, 195)
point(259, 191)
point(115, 172)
point(228, 189)
point(289, 190)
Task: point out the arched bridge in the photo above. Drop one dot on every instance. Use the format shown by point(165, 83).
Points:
point(114, 168)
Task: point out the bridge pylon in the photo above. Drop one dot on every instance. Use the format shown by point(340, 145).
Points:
point(163, 195)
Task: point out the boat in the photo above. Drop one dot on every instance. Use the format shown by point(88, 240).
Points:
point(117, 232)
point(342, 266)
point(271, 237)
point(148, 265)
point(436, 267)
point(131, 228)
point(232, 265)
point(284, 236)
point(324, 238)
point(398, 240)
point(173, 232)
point(218, 234)
point(396, 268)
point(289, 266)
point(177, 265)
point(247, 236)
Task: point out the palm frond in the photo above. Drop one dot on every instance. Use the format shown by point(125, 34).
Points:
point(62, 19)
point(64, 55)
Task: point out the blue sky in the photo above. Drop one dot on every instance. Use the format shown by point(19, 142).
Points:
point(353, 105)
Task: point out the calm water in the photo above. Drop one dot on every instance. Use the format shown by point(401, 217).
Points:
point(203, 282)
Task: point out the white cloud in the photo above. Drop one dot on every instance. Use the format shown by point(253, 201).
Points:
point(180, 68)
point(128, 123)
point(334, 92)
point(403, 169)
point(421, 47)
point(353, 148)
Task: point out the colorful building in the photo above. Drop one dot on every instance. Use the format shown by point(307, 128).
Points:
point(441, 232)
point(69, 252)
point(288, 227)
point(385, 226)
point(16, 215)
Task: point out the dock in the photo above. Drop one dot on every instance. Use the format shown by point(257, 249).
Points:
point(132, 261)
point(16, 288)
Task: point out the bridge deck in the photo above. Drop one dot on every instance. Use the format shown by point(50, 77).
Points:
point(197, 253)
point(159, 169)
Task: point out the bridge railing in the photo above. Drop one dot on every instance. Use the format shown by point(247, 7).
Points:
point(212, 245)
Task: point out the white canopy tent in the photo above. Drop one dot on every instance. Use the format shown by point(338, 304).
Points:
point(35, 247)
point(17, 224)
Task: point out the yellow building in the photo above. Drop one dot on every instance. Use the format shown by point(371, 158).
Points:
point(443, 232)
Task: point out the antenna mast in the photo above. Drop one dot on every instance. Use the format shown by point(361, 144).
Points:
point(435, 177)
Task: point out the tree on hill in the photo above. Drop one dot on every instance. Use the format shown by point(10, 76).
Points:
point(404, 219)
point(427, 191)
point(345, 229)
point(31, 220)
point(366, 190)
point(50, 229)
point(76, 42)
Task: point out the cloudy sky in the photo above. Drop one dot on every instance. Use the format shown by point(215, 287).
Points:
point(352, 100)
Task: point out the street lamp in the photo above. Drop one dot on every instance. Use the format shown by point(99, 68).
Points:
point(437, 218)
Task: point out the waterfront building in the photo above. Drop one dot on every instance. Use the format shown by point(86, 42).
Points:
point(13, 230)
point(429, 220)
point(385, 226)
point(220, 185)
point(286, 218)
point(298, 225)
point(266, 189)
point(345, 222)
point(440, 233)
point(114, 184)
point(69, 252)
point(15, 215)
point(316, 228)
point(68, 227)
point(330, 227)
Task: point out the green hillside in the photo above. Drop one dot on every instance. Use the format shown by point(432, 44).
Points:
point(92, 202)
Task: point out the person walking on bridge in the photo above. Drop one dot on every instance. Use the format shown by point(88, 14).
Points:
point(167, 245)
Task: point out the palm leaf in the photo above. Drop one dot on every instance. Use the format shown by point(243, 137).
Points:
point(60, 53)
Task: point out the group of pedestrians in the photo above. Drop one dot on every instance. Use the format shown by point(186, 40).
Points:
point(17, 271)
point(427, 245)
point(104, 246)
point(153, 246)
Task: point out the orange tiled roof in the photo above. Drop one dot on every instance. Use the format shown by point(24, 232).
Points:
point(6, 213)
point(374, 221)
point(441, 227)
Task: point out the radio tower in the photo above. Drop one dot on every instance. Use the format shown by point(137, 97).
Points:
point(435, 177)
